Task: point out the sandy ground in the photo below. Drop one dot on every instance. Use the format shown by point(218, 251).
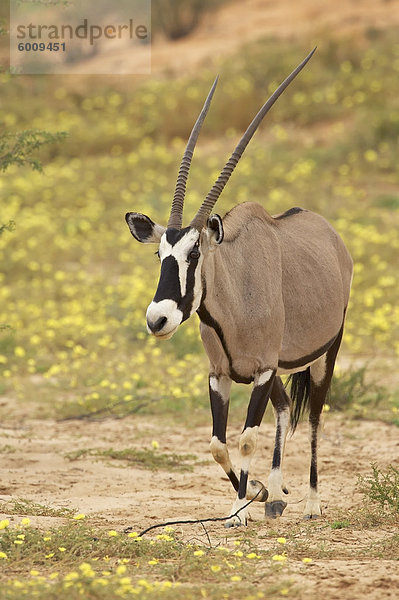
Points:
point(34, 466)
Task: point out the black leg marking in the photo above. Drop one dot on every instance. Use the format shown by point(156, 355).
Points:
point(219, 409)
point(219, 398)
point(242, 490)
point(234, 480)
point(281, 403)
point(313, 448)
point(277, 448)
point(318, 393)
point(258, 402)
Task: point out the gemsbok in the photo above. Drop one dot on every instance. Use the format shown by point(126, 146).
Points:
point(271, 293)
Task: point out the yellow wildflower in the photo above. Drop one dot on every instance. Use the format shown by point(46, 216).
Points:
point(165, 537)
point(168, 529)
point(86, 570)
point(112, 533)
point(121, 570)
point(71, 576)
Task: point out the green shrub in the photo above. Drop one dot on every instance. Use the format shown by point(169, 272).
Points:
point(382, 488)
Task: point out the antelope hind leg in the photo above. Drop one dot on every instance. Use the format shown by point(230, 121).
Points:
point(276, 504)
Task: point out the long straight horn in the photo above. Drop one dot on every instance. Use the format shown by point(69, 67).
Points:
point(176, 213)
point(204, 211)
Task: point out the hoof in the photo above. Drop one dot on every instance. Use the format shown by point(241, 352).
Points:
point(234, 523)
point(311, 517)
point(256, 491)
point(275, 509)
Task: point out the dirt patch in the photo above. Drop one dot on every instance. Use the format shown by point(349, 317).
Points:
point(34, 466)
point(235, 24)
point(239, 23)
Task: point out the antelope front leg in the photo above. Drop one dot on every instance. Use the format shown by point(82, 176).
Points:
point(219, 394)
point(247, 445)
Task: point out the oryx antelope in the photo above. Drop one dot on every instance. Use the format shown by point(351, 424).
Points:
point(271, 293)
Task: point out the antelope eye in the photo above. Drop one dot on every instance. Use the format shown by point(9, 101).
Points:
point(194, 254)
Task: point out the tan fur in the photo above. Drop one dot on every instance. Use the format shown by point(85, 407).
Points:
point(277, 287)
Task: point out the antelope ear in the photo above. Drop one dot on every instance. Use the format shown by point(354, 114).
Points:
point(143, 229)
point(215, 229)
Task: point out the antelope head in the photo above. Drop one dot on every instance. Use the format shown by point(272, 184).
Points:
point(182, 249)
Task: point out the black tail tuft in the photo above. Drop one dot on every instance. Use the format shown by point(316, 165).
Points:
point(300, 395)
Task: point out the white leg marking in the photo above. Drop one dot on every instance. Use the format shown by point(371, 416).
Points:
point(263, 377)
point(213, 382)
point(221, 385)
point(275, 485)
point(318, 369)
point(220, 453)
point(247, 444)
point(242, 517)
point(312, 507)
point(247, 447)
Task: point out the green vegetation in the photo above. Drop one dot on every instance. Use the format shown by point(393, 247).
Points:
point(382, 488)
point(146, 459)
point(20, 148)
point(340, 524)
point(75, 285)
point(75, 561)
point(22, 506)
point(361, 396)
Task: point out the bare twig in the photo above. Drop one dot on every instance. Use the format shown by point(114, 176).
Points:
point(194, 521)
point(207, 535)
